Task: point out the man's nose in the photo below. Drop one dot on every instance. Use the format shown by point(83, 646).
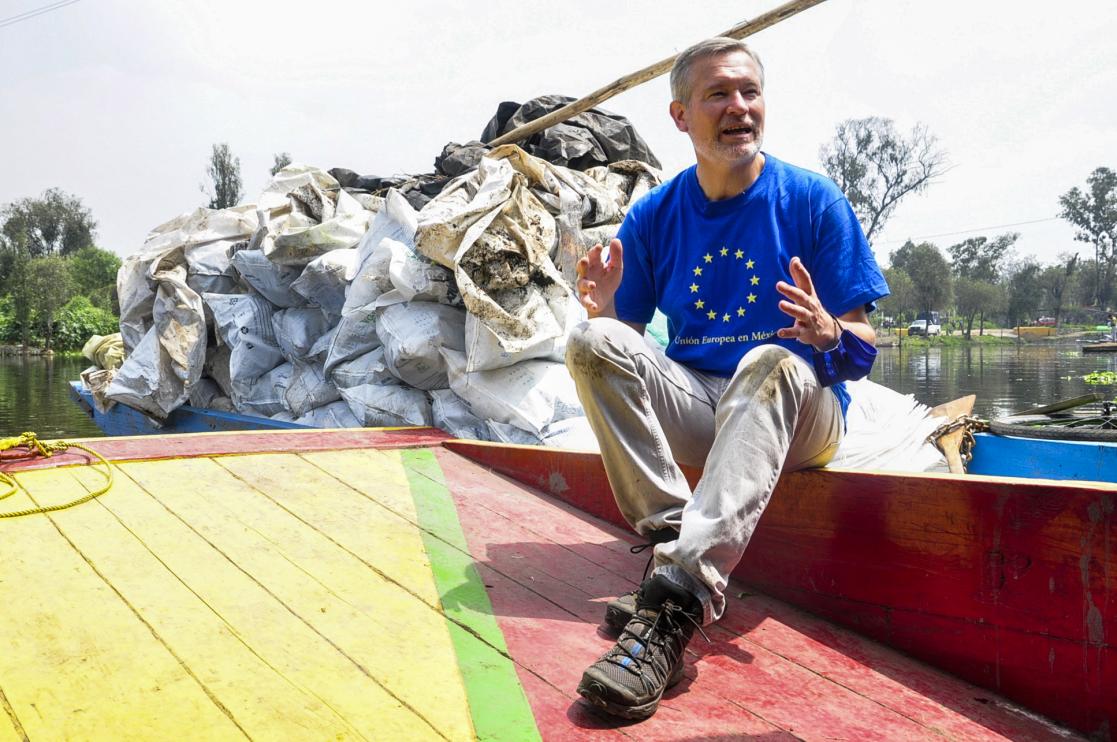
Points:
point(737, 103)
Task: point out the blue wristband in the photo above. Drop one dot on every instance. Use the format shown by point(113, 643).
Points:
point(851, 359)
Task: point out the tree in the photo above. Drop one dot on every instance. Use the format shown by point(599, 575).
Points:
point(92, 268)
point(55, 223)
point(282, 160)
point(975, 298)
point(976, 264)
point(900, 302)
point(876, 167)
point(1054, 280)
point(224, 172)
point(1024, 292)
point(929, 272)
point(19, 292)
point(980, 259)
point(1094, 214)
point(48, 290)
point(93, 274)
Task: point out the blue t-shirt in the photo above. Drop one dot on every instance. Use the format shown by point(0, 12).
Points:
point(712, 266)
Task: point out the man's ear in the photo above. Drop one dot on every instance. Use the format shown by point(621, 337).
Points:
point(678, 115)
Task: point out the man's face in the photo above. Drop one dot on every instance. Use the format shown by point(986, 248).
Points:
point(724, 116)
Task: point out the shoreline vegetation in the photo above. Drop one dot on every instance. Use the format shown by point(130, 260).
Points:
point(885, 339)
point(7, 351)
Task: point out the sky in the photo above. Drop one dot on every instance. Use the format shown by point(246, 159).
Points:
point(119, 102)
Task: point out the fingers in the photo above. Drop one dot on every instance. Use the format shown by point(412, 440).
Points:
point(801, 276)
point(616, 253)
point(794, 293)
point(796, 311)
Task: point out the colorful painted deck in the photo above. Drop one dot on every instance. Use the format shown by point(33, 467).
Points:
point(378, 585)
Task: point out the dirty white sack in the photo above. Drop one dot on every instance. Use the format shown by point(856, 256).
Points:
point(887, 431)
point(530, 395)
point(380, 405)
point(412, 335)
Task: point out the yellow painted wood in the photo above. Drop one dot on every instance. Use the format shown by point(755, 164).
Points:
point(320, 499)
point(402, 641)
point(260, 619)
point(8, 730)
point(75, 661)
point(390, 489)
point(271, 706)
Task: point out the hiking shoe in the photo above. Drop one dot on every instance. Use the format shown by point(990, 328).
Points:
point(619, 610)
point(630, 678)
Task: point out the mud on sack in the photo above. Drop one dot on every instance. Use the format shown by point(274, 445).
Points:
point(496, 235)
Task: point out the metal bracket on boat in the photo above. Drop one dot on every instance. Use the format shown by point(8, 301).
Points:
point(964, 427)
point(35, 447)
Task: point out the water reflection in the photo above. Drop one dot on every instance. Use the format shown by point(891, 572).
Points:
point(34, 395)
point(1005, 378)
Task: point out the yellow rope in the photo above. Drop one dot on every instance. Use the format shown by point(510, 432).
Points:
point(34, 446)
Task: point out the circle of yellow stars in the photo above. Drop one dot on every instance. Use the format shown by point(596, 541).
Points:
point(707, 261)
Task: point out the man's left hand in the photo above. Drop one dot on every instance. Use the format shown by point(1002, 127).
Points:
point(813, 324)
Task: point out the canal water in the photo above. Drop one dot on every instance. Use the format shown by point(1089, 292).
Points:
point(34, 396)
point(1006, 378)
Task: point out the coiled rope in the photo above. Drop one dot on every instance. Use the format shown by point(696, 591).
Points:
point(36, 447)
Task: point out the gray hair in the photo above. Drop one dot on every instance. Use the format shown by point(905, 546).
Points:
point(680, 71)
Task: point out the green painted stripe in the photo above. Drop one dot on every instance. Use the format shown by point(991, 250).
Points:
point(497, 703)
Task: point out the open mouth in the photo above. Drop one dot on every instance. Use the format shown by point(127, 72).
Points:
point(738, 130)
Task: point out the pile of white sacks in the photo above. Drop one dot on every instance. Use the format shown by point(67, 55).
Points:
point(335, 309)
point(331, 308)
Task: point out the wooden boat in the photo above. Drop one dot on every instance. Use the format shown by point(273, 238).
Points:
point(1099, 347)
point(124, 420)
point(394, 584)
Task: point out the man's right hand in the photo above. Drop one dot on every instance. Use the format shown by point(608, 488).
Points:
point(599, 278)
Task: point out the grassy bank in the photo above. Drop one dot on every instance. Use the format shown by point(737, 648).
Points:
point(942, 341)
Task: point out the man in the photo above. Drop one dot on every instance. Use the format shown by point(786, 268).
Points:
point(765, 278)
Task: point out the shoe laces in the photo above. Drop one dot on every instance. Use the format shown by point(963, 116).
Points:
point(637, 549)
point(654, 539)
point(658, 633)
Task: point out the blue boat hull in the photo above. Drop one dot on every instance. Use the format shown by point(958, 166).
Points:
point(123, 420)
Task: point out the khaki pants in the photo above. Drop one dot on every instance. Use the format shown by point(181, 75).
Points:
point(649, 412)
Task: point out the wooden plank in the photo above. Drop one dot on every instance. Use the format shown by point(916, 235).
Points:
point(500, 708)
point(212, 651)
point(272, 629)
point(793, 694)
point(324, 499)
point(358, 496)
point(342, 599)
point(10, 728)
point(76, 662)
point(855, 547)
point(149, 448)
point(740, 31)
point(998, 455)
point(123, 420)
point(554, 644)
point(863, 666)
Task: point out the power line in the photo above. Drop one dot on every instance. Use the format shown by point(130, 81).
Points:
point(28, 15)
point(975, 229)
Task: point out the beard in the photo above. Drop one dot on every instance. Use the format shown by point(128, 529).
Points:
point(730, 153)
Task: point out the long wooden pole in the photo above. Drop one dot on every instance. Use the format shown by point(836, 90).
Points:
point(740, 31)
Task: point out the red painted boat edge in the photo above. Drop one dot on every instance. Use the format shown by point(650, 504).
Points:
point(1008, 583)
point(186, 445)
